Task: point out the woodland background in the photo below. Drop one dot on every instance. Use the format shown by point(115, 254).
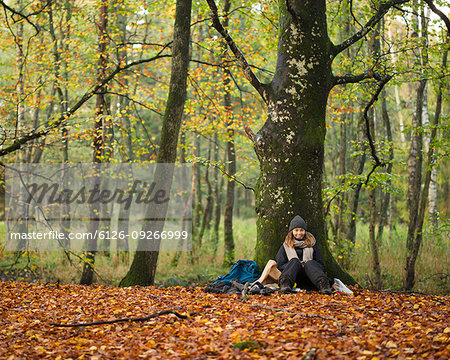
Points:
point(53, 54)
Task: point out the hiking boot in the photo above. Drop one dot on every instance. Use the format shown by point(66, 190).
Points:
point(285, 285)
point(324, 286)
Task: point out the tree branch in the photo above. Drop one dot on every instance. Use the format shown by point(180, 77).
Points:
point(223, 65)
point(352, 79)
point(248, 72)
point(23, 16)
point(372, 101)
point(36, 134)
point(439, 13)
point(382, 10)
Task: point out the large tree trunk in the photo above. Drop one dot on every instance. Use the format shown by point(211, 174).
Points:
point(290, 145)
point(143, 268)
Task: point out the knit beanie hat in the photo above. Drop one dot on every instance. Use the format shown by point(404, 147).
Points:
point(297, 222)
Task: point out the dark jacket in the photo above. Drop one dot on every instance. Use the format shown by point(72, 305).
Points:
point(282, 259)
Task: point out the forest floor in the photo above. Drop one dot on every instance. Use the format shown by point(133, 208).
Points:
point(364, 325)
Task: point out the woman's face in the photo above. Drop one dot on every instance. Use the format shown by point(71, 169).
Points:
point(299, 233)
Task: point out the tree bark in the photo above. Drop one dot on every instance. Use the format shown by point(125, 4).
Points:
point(143, 269)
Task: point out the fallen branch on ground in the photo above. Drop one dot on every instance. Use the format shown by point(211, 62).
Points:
point(137, 319)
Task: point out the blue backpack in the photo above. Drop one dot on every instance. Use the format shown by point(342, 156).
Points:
point(243, 271)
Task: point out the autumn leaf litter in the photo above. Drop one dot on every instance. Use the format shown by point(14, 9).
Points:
point(365, 325)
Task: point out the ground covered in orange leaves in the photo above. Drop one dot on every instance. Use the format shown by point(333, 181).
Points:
point(365, 325)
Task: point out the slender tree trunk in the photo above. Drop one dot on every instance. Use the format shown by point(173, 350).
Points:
point(341, 199)
point(414, 245)
point(65, 34)
point(229, 200)
point(21, 155)
point(198, 185)
point(385, 206)
point(87, 276)
point(198, 206)
point(217, 195)
point(433, 201)
point(187, 213)
point(372, 240)
point(229, 204)
point(341, 172)
point(347, 230)
point(415, 167)
point(432, 192)
point(207, 214)
point(143, 268)
point(123, 112)
point(374, 50)
point(414, 184)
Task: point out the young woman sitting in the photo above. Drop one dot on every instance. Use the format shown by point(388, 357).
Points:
point(300, 261)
